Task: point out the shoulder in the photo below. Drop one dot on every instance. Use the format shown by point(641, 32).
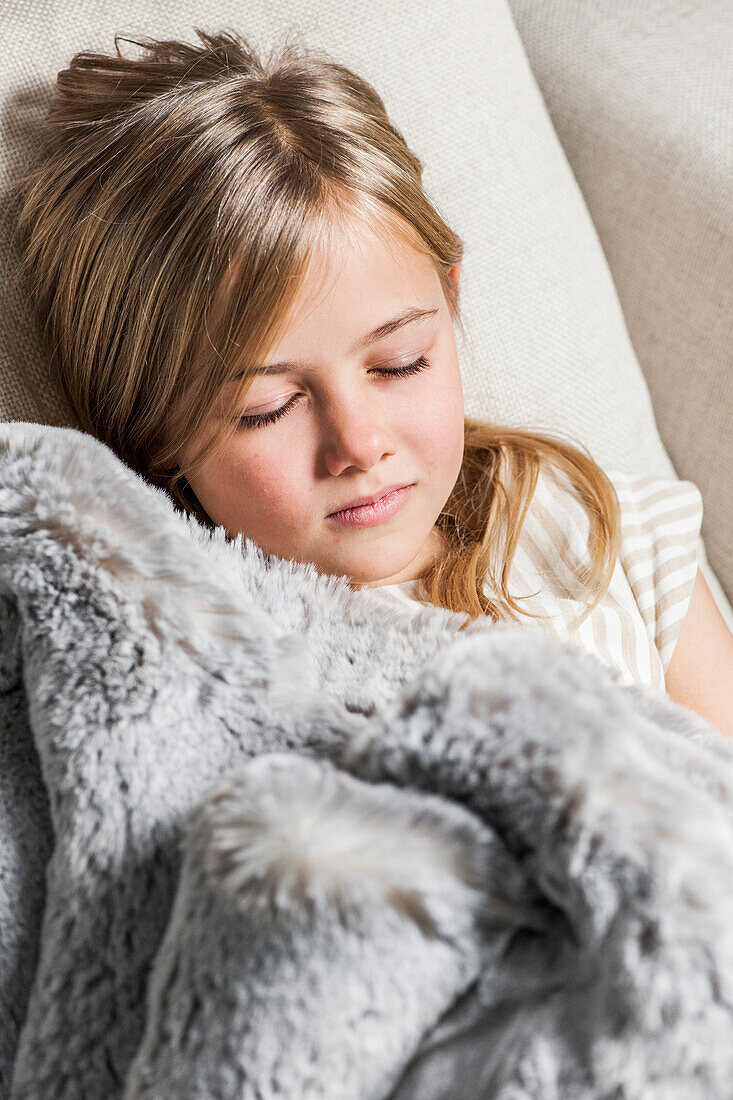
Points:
point(660, 521)
point(658, 514)
point(651, 499)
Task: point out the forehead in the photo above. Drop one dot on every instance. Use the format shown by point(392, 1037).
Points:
point(366, 280)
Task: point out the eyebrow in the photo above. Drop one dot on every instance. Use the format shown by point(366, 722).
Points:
point(379, 333)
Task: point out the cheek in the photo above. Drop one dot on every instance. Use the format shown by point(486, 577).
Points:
point(262, 490)
point(437, 424)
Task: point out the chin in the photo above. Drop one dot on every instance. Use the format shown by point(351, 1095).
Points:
point(373, 573)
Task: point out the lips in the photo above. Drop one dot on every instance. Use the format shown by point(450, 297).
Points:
point(359, 501)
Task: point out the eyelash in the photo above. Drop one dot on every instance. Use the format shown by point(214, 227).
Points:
point(259, 420)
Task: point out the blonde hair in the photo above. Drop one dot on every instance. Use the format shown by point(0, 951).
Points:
point(168, 223)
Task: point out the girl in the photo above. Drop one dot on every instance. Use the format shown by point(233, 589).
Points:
point(248, 296)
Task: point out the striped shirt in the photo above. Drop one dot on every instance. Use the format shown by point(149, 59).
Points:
point(635, 626)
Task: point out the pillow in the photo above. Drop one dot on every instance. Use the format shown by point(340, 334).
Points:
point(547, 345)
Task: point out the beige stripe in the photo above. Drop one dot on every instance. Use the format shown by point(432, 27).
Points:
point(641, 585)
point(543, 558)
point(654, 583)
point(673, 508)
point(538, 555)
point(666, 640)
point(647, 612)
point(674, 597)
point(601, 639)
point(636, 483)
point(676, 492)
point(540, 564)
point(666, 637)
point(632, 557)
point(562, 545)
point(632, 480)
point(654, 523)
point(674, 565)
point(629, 641)
point(565, 552)
point(525, 568)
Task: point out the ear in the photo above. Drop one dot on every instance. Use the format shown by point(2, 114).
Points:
point(453, 275)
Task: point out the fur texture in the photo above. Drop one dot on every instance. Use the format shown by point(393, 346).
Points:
point(263, 836)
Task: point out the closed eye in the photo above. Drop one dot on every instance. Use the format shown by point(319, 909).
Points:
point(258, 420)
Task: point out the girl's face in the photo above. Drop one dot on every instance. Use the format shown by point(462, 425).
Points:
point(348, 429)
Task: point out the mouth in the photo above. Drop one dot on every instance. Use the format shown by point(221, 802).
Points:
point(375, 512)
point(361, 501)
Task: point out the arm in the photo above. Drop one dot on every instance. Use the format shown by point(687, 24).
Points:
point(700, 672)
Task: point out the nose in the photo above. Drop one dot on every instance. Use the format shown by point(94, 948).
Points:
point(355, 433)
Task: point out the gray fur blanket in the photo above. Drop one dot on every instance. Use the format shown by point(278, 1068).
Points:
point(263, 836)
